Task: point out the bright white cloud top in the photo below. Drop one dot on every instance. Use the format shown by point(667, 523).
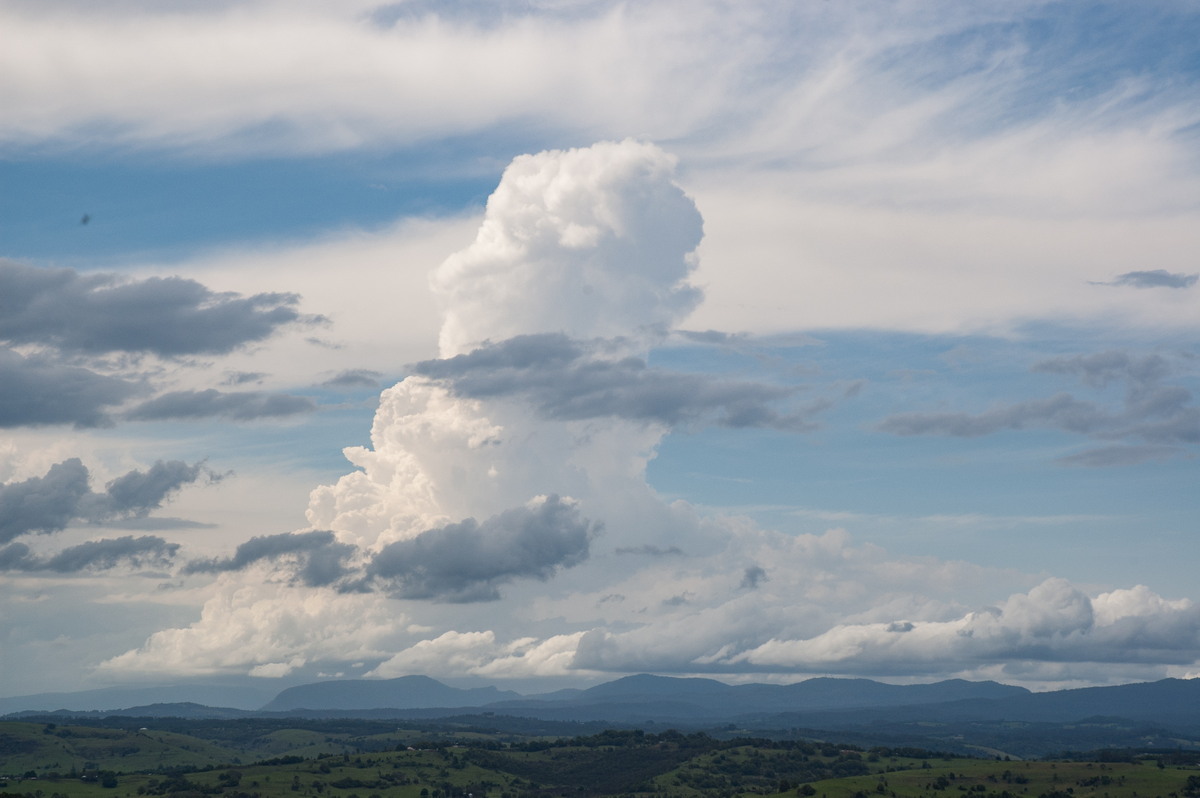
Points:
point(789, 340)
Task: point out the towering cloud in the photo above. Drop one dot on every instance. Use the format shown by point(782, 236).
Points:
point(580, 263)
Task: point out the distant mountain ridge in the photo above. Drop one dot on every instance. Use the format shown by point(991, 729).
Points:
point(634, 697)
point(821, 703)
point(404, 692)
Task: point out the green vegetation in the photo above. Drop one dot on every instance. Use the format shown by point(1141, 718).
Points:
point(356, 759)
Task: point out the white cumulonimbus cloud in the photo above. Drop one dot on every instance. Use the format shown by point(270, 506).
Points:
point(590, 243)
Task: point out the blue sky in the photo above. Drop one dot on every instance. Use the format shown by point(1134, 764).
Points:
point(546, 342)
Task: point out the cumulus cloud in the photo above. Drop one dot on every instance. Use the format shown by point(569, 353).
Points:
point(147, 551)
point(1153, 412)
point(1155, 278)
point(576, 245)
point(468, 560)
point(99, 313)
point(37, 391)
point(211, 403)
point(569, 380)
point(50, 503)
point(248, 626)
point(481, 654)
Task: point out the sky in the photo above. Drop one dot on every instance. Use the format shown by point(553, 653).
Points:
point(536, 343)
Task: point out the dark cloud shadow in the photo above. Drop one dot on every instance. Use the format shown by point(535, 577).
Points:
point(566, 380)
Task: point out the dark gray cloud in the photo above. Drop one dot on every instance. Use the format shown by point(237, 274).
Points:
point(1151, 412)
point(211, 403)
point(35, 391)
point(52, 502)
point(169, 316)
point(712, 337)
point(469, 561)
point(354, 378)
point(752, 576)
point(43, 504)
point(1155, 278)
point(319, 559)
point(1102, 368)
point(563, 379)
point(1108, 456)
point(462, 562)
point(143, 552)
point(242, 377)
point(138, 492)
point(1061, 411)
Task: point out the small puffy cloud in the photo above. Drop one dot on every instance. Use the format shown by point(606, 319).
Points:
point(1100, 369)
point(52, 502)
point(141, 552)
point(98, 313)
point(650, 551)
point(210, 403)
point(276, 670)
point(354, 378)
point(567, 380)
point(1155, 278)
point(468, 561)
point(1110, 456)
point(752, 576)
point(36, 391)
point(319, 558)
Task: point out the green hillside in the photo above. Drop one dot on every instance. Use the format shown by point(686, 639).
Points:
point(59, 761)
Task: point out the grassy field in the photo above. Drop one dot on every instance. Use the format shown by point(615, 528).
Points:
point(65, 761)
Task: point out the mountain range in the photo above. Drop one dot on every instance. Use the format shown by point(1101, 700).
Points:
point(646, 699)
